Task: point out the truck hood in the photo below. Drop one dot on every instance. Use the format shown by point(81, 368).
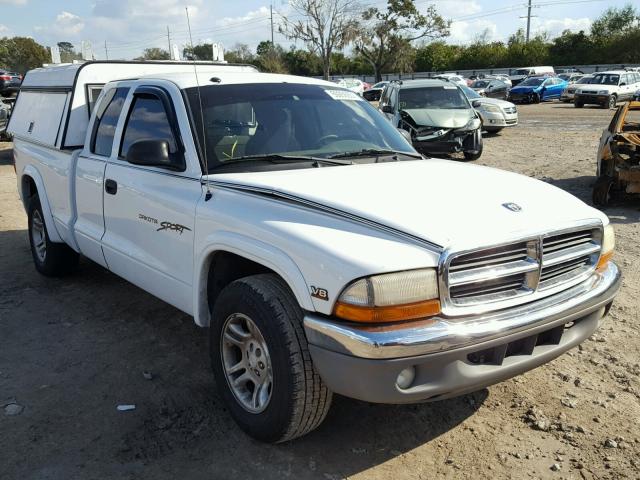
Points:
point(440, 117)
point(444, 202)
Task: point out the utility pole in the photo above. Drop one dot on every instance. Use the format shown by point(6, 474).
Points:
point(106, 52)
point(528, 20)
point(169, 41)
point(271, 10)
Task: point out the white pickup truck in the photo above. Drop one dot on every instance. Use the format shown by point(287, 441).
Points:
point(291, 218)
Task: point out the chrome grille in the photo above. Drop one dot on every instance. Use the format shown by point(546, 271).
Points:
point(510, 109)
point(521, 271)
point(492, 274)
point(568, 255)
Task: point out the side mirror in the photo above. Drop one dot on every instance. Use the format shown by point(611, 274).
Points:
point(405, 134)
point(622, 84)
point(387, 109)
point(475, 104)
point(151, 153)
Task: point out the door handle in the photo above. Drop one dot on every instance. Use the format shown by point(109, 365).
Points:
point(111, 186)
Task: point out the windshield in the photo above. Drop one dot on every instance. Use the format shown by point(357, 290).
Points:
point(532, 82)
point(470, 93)
point(480, 84)
point(585, 80)
point(288, 119)
point(522, 71)
point(440, 97)
point(380, 85)
point(606, 79)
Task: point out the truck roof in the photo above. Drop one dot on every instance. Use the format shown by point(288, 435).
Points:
point(67, 75)
point(188, 79)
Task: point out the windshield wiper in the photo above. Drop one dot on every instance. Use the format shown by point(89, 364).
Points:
point(278, 158)
point(372, 152)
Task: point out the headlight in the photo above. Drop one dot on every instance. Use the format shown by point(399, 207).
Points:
point(390, 297)
point(603, 92)
point(473, 124)
point(608, 245)
point(490, 108)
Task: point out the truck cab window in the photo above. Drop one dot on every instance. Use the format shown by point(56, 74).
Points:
point(148, 120)
point(107, 116)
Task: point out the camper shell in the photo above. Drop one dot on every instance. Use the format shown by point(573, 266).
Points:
point(54, 105)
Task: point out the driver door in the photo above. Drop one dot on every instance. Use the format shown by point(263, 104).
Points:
point(149, 211)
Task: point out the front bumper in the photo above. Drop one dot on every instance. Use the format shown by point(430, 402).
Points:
point(452, 142)
point(452, 356)
point(498, 120)
point(591, 99)
point(524, 97)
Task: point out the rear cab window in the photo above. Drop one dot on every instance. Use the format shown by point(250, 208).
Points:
point(107, 115)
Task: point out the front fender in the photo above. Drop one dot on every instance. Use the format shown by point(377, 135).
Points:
point(254, 250)
point(31, 172)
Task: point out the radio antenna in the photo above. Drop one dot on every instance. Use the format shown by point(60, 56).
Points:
point(208, 194)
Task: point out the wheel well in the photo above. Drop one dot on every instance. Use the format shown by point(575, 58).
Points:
point(29, 189)
point(226, 267)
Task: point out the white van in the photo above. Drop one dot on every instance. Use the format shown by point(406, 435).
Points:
point(522, 73)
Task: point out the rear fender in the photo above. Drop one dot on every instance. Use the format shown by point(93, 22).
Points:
point(31, 172)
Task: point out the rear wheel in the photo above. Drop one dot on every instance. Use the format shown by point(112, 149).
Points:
point(51, 259)
point(261, 360)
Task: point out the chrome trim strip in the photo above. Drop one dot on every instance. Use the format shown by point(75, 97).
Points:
point(434, 247)
point(562, 256)
point(483, 274)
point(441, 333)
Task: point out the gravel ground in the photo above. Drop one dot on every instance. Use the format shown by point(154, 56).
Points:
point(71, 350)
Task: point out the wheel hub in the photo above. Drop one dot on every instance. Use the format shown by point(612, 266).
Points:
point(38, 236)
point(246, 362)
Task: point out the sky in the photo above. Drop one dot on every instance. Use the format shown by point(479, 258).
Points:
point(124, 28)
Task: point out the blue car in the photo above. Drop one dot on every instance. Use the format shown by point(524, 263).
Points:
point(537, 89)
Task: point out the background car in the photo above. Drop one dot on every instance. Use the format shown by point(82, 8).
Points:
point(571, 77)
point(436, 114)
point(9, 82)
point(4, 117)
point(353, 84)
point(495, 114)
point(491, 88)
point(451, 77)
point(373, 94)
point(607, 89)
point(569, 92)
point(537, 89)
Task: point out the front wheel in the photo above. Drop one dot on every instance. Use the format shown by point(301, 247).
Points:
point(51, 259)
point(613, 101)
point(473, 146)
point(578, 104)
point(261, 360)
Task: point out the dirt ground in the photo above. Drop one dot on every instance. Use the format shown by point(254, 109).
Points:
point(71, 350)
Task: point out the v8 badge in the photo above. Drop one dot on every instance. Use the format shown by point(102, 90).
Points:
point(319, 293)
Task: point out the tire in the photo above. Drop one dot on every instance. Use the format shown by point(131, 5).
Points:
point(602, 193)
point(578, 104)
point(613, 102)
point(475, 151)
point(493, 130)
point(50, 259)
point(298, 400)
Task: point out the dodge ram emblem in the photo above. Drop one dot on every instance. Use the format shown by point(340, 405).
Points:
point(514, 207)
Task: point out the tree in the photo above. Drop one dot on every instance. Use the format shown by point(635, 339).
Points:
point(240, 53)
point(327, 26)
point(302, 62)
point(614, 22)
point(269, 57)
point(155, 54)
point(203, 52)
point(20, 54)
point(68, 53)
point(386, 35)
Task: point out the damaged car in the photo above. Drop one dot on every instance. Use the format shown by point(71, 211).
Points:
point(437, 116)
point(619, 156)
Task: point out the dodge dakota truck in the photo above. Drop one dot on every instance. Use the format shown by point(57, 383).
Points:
point(294, 221)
